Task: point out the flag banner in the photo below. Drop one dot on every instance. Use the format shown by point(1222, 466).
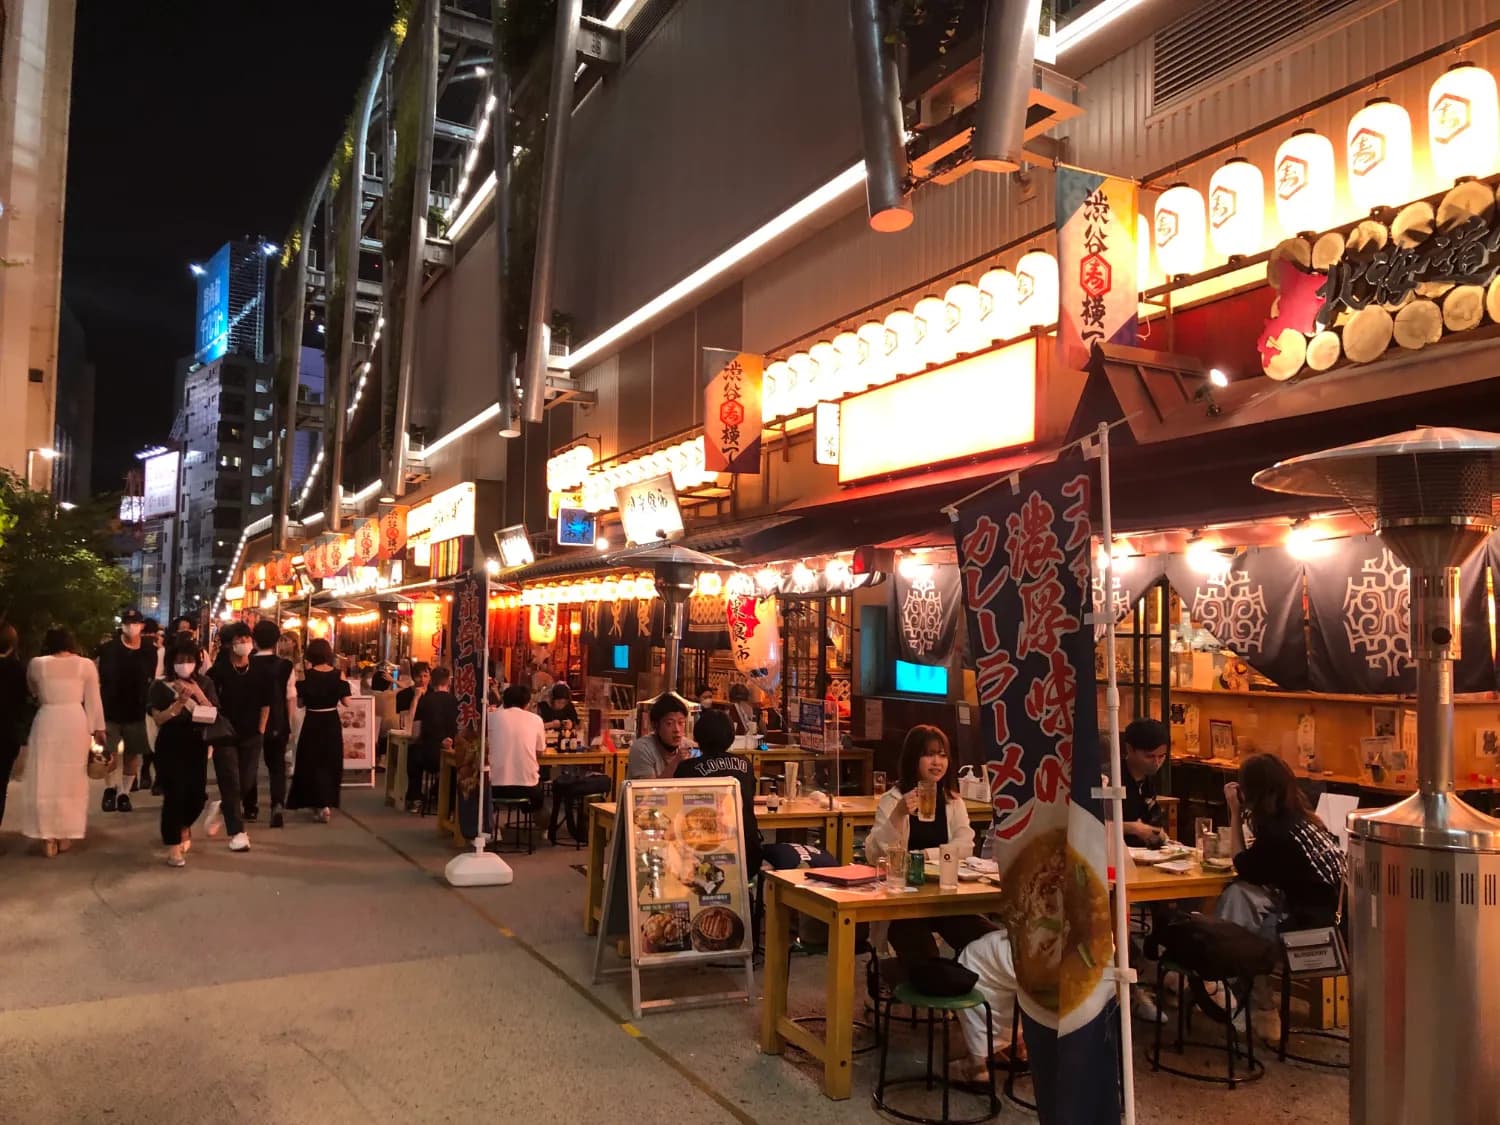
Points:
point(1096, 263)
point(366, 541)
point(1131, 576)
point(731, 411)
point(1253, 607)
point(1025, 561)
point(468, 638)
point(393, 532)
point(927, 601)
point(1359, 603)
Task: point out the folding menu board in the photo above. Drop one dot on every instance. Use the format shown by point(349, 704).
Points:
point(357, 715)
point(677, 883)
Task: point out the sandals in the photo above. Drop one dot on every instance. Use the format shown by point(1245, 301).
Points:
point(49, 849)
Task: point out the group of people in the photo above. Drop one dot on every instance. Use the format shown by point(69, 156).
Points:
point(161, 710)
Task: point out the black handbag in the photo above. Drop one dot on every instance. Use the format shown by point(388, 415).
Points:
point(220, 732)
point(937, 976)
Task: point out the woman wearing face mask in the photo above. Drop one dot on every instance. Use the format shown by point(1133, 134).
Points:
point(181, 753)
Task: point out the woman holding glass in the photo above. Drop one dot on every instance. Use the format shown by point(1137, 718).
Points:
point(924, 812)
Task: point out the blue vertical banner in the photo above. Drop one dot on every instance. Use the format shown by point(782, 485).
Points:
point(1026, 571)
point(213, 308)
point(1098, 291)
point(469, 635)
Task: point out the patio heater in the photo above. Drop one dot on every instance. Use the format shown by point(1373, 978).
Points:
point(1425, 921)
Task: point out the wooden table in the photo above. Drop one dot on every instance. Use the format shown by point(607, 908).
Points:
point(865, 759)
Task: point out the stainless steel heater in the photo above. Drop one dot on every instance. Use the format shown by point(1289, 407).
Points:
point(1425, 873)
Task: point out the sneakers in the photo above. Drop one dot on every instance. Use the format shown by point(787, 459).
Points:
point(278, 818)
point(252, 813)
point(1143, 1007)
point(176, 859)
point(108, 804)
point(324, 816)
point(122, 803)
point(239, 842)
point(213, 819)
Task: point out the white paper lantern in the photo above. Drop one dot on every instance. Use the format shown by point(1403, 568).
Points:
point(967, 305)
point(804, 389)
point(1143, 239)
point(1463, 123)
point(937, 339)
point(852, 351)
point(906, 357)
point(1379, 146)
point(880, 346)
point(1304, 181)
point(1237, 209)
point(1180, 230)
point(773, 389)
point(1036, 289)
point(1001, 319)
point(826, 356)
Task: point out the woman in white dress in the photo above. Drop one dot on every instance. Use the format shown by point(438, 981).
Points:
point(55, 788)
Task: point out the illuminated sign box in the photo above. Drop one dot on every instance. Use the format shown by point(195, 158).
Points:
point(975, 406)
point(160, 486)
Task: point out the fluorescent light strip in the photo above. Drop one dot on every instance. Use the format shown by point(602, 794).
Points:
point(1075, 32)
point(367, 491)
point(489, 412)
point(803, 209)
point(472, 208)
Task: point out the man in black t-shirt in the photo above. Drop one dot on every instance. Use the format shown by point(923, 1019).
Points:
point(278, 726)
point(127, 666)
point(434, 727)
point(245, 690)
point(408, 698)
point(1143, 747)
point(714, 733)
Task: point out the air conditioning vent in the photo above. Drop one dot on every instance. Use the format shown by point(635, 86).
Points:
point(1212, 40)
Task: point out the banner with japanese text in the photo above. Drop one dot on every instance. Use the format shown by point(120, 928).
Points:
point(468, 638)
point(1098, 291)
point(1025, 562)
point(731, 411)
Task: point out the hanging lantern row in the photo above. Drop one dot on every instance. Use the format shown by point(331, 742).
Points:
point(684, 461)
point(806, 578)
point(569, 469)
point(1463, 141)
point(640, 587)
point(967, 318)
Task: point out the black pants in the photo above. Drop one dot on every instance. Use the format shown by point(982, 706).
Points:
point(569, 795)
point(235, 766)
point(912, 939)
point(420, 759)
point(182, 770)
point(275, 753)
point(8, 755)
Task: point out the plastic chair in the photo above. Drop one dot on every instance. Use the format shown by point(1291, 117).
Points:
point(938, 1008)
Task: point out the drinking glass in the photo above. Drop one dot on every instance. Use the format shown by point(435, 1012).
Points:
point(927, 801)
point(1202, 826)
point(882, 870)
point(896, 867)
point(879, 782)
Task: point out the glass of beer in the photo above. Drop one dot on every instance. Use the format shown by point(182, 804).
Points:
point(927, 801)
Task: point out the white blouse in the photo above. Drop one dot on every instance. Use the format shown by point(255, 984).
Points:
point(890, 834)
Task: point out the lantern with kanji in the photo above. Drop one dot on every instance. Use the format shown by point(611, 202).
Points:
point(755, 638)
point(543, 630)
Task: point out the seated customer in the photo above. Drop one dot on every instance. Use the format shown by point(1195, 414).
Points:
point(746, 720)
point(715, 734)
point(558, 708)
point(899, 828)
point(1143, 749)
point(515, 738)
point(659, 753)
point(434, 727)
point(408, 698)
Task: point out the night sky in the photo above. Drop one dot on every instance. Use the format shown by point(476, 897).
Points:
point(192, 123)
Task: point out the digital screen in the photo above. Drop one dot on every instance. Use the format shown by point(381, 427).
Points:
point(213, 308)
point(160, 497)
point(575, 528)
point(621, 658)
point(921, 679)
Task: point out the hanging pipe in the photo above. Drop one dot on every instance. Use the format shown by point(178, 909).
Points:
point(1005, 71)
point(880, 120)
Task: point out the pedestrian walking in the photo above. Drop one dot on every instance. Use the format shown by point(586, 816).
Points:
point(320, 745)
point(278, 670)
point(244, 689)
point(181, 750)
point(127, 665)
point(55, 783)
point(15, 707)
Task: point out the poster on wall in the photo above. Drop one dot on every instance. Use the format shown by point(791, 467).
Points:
point(731, 411)
point(1096, 262)
point(357, 716)
point(686, 897)
point(927, 601)
point(1025, 562)
point(468, 639)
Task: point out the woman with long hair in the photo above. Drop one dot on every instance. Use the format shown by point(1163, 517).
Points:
point(56, 784)
point(181, 752)
point(320, 743)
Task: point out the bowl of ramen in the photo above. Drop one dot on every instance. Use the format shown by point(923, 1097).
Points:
point(701, 829)
point(665, 932)
point(1057, 910)
point(717, 929)
point(651, 819)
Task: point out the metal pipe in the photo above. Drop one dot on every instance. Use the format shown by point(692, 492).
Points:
point(880, 119)
point(294, 376)
point(387, 274)
point(559, 111)
point(676, 625)
point(416, 251)
point(1435, 646)
point(345, 368)
point(1005, 73)
point(500, 132)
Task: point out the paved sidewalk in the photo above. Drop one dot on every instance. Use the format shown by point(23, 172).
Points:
point(329, 975)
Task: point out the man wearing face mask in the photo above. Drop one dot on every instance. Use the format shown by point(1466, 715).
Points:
point(126, 669)
point(245, 690)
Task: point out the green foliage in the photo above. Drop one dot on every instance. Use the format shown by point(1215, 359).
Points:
point(54, 567)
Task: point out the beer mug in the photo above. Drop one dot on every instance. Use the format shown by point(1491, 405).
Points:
point(927, 801)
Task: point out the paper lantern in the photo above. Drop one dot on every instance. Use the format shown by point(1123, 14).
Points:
point(774, 382)
point(966, 304)
point(1463, 123)
point(543, 624)
point(937, 335)
point(1143, 242)
point(1036, 289)
point(830, 369)
point(1304, 183)
point(754, 638)
point(906, 356)
point(1237, 209)
point(853, 376)
point(1180, 230)
point(804, 388)
point(880, 346)
point(1001, 320)
point(1379, 140)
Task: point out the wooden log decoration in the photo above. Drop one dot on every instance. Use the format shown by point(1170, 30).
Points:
point(1328, 249)
point(1413, 224)
point(1367, 334)
point(1467, 199)
point(1463, 308)
point(1492, 300)
point(1290, 352)
point(1396, 306)
point(1419, 324)
point(1293, 249)
point(1323, 351)
point(1368, 232)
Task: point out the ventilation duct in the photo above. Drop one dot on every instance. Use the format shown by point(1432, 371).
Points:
point(1010, 28)
point(881, 124)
